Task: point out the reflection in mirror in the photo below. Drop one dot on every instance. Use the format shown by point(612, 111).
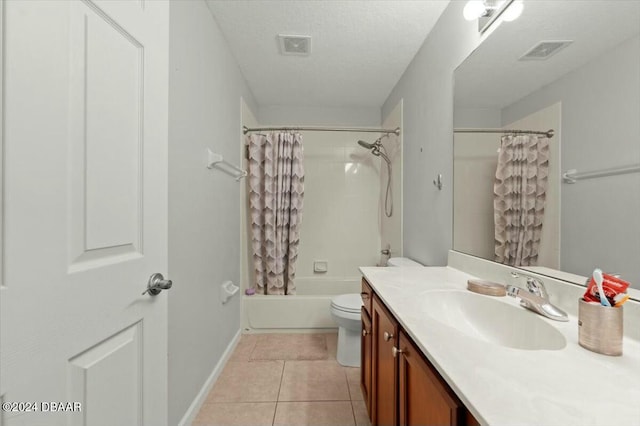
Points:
point(581, 78)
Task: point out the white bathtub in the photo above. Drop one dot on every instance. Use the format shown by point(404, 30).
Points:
point(307, 311)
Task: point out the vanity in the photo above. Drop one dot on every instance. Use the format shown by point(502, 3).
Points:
point(400, 386)
point(430, 357)
point(434, 353)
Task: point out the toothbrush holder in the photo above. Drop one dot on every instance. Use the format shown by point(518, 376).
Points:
point(600, 328)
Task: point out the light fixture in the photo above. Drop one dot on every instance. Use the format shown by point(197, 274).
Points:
point(487, 11)
point(514, 11)
point(474, 9)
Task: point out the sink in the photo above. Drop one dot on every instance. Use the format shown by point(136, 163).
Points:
point(490, 319)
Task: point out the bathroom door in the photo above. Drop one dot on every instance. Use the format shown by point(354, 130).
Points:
point(84, 212)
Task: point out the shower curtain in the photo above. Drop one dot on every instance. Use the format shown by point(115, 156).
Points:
point(276, 190)
point(519, 197)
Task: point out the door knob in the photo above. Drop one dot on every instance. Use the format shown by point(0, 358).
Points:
point(395, 351)
point(364, 333)
point(387, 336)
point(156, 284)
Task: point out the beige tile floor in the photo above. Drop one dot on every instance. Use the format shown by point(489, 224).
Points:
point(285, 379)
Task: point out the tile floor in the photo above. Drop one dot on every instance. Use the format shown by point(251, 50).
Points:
point(285, 379)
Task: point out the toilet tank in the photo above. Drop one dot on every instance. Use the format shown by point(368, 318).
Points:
point(402, 261)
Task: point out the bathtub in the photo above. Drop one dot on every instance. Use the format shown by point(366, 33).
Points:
point(307, 311)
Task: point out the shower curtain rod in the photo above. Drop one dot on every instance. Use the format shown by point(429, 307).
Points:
point(549, 133)
point(395, 131)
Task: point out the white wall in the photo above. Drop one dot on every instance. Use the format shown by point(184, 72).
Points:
point(340, 215)
point(276, 115)
point(475, 161)
point(426, 88)
point(204, 213)
point(600, 130)
point(391, 227)
point(477, 117)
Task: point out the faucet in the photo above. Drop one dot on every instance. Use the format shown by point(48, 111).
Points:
point(536, 298)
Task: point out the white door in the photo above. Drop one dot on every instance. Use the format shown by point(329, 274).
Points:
point(84, 203)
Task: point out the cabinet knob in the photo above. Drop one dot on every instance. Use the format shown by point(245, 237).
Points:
point(387, 336)
point(364, 295)
point(395, 351)
point(364, 333)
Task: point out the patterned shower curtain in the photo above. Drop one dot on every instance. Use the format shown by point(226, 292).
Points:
point(519, 197)
point(276, 190)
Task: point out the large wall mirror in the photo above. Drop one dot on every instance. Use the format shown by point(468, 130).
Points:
point(581, 78)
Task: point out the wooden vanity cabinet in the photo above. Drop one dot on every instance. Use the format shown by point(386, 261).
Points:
point(365, 347)
point(399, 384)
point(383, 366)
point(365, 360)
point(366, 293)
point(424, 399)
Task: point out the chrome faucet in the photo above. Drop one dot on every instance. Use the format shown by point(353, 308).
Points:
point(536, 298)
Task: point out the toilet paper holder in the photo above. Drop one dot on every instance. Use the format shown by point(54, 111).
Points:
point(227, 290)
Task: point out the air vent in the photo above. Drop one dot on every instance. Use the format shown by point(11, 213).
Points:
point(295, 44)
point(545, 49)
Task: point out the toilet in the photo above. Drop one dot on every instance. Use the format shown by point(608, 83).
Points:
point(345, 311)
point(403, 262)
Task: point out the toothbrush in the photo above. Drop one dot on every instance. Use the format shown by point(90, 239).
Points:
point(597, 276)
point(619, 299)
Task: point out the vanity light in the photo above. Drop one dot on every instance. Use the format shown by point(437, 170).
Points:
point(474, 9)
point(514, 11)
point(487, 11)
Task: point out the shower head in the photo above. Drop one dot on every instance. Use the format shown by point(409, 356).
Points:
point(375, 148)
point(379, 150)
point(366, 144)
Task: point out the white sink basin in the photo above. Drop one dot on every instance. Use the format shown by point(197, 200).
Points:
point(490, 319)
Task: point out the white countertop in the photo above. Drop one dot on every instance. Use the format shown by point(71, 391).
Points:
point(505, 386)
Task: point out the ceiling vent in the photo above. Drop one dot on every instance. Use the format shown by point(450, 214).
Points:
point(545, 49)
point(299, 45)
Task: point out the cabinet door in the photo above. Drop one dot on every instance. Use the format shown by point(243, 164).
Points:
point(367, 296)
point(423, 398)
point(384, 383)
point(365, 359)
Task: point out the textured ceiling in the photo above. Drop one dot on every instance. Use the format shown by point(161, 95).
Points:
point(359, 48)
point(492, 77)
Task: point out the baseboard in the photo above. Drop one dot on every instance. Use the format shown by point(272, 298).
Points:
point(195, 406)
point(290, 330)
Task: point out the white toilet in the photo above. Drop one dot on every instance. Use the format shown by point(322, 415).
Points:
point(402, 262)
point(345, 310)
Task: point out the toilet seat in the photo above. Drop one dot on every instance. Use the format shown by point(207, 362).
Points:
point(350, 303)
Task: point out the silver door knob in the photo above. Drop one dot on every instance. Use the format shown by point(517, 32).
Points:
point(387, 336)
point(364, 333)
point(156, 284)
point(395, 351)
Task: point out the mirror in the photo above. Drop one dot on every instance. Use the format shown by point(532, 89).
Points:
point(587, 90)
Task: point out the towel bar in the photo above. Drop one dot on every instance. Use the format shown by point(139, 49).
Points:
point(218, 161)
